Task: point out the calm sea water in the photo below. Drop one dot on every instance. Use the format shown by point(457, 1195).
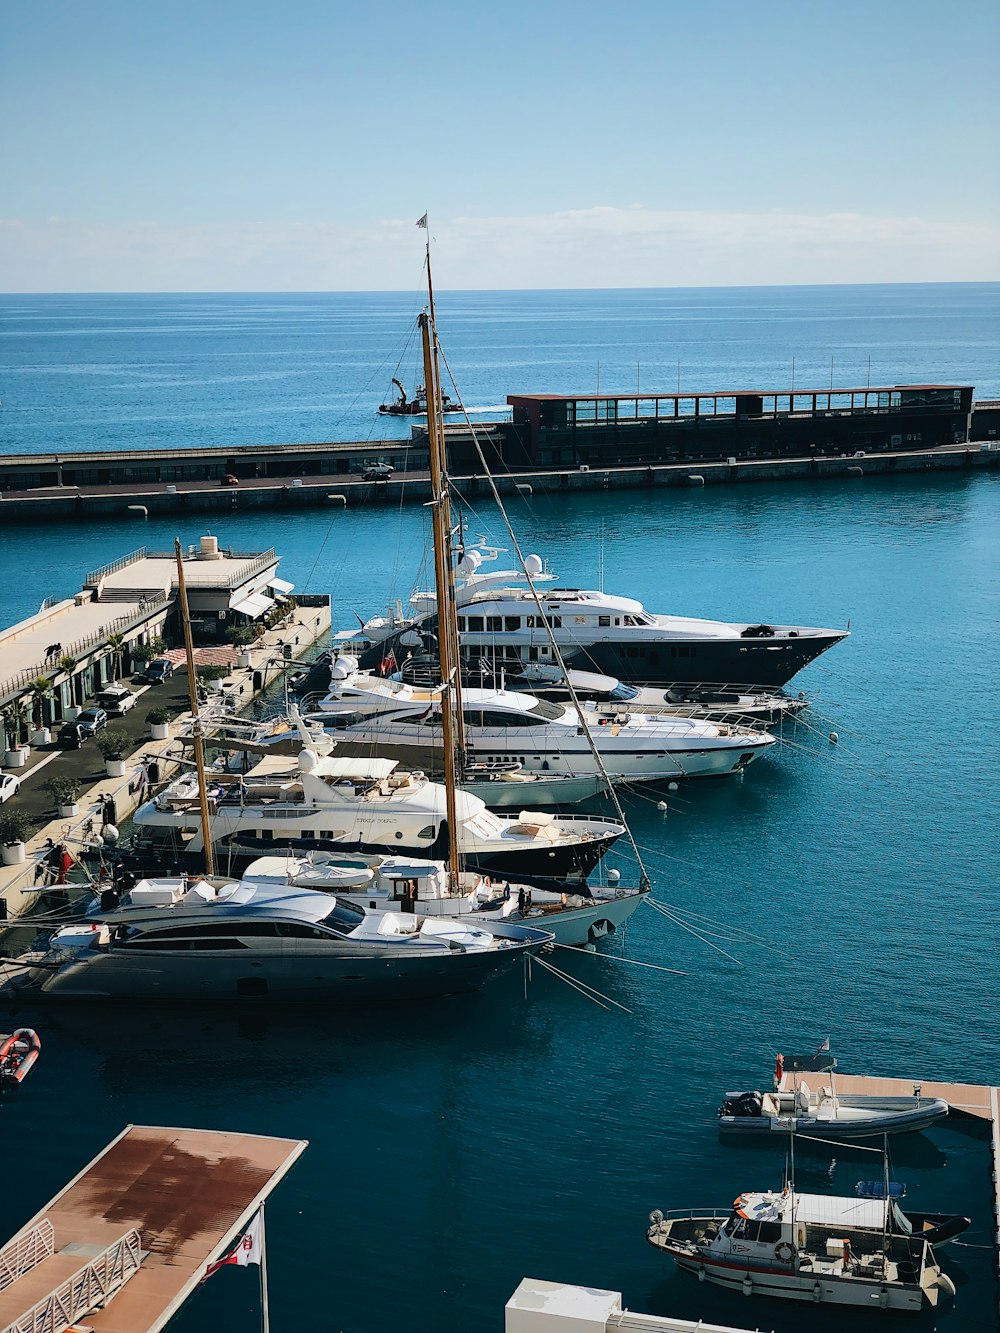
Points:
point(460, 1145)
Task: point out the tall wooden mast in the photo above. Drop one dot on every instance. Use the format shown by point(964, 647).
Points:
point(440, 514)
point(199, 747)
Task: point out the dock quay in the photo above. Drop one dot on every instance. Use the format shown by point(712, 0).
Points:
point(250, 671)
point(552, 444)
point(127, 1241)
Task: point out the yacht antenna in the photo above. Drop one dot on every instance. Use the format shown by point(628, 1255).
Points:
point(196, 732)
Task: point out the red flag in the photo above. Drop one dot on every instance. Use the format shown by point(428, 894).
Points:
point(779, 1069)
point(247, 1250)
point(387, 664)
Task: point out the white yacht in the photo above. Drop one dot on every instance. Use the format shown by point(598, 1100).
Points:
point(403, 722)
point(596, 631)
point(340, 804)
point(577, 915)
point(198, 939)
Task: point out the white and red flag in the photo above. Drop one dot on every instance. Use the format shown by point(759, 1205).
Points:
point(248, 1249)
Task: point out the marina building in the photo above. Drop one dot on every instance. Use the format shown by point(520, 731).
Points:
point(81, 643)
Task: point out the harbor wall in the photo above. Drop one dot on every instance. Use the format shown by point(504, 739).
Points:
point(290, 493)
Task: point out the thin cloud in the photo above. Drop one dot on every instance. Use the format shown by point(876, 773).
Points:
point(603, 246)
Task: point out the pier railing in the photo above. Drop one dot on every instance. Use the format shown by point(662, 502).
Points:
point(95, 575)
point(89, 1288)
point(24, 1253)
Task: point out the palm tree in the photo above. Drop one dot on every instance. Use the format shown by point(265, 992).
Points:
point(40, 689)
point(15, 716)
point(116, 642)
point(67, 664)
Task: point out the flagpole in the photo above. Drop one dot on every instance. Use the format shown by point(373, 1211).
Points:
point(265, 1322)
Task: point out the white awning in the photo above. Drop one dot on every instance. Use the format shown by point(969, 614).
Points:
point(280, 585)
point(257, 604)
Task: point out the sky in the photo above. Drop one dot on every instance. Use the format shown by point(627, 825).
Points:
point(210, 145)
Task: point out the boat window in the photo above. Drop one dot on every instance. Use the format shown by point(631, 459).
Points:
point(461, 624)
point(431, 720)
point(344, 918)
point(511, 623)
point(604, 621)
point(475, 624)
point(622, 693)
point(555, 622)
point(428, 832)
point(735, 1225)
point(529, 621)
point(494, 623)
point(295, 930)
point(770, 1233)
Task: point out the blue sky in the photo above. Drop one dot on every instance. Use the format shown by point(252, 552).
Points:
point(251, 146)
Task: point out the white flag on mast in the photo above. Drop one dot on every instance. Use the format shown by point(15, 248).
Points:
point(422, 222)
point(249, 1249)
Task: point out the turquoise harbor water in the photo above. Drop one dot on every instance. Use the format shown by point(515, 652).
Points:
point(460, 1145)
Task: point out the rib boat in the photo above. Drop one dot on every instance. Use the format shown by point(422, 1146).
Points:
point(826, 1113)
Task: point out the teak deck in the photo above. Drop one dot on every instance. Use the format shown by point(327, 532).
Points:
point(187, 1192)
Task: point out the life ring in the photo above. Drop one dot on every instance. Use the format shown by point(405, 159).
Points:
point(784, 1251)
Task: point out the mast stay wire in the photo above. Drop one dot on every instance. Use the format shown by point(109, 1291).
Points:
point(598, 759)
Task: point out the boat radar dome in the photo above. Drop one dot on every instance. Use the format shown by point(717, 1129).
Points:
point(533, 565)
point(343, 667)
point(308, 759)
point(470, 561)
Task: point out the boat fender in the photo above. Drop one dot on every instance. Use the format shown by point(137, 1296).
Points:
point(817, 1292)
point(748, 1285)
point(943, 1281)
point(784, 1251)
point(701, 1272)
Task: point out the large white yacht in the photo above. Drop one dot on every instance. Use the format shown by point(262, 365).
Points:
point(197, 938)
point(337, 804)
point(403, 722)
point(498, 621)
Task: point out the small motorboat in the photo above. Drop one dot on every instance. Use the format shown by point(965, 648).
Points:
point(793, 1107)
point(827, 1114)
point(811, 1247)
point(18, 1052)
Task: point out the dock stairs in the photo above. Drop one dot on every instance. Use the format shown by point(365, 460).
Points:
point(45, 1290)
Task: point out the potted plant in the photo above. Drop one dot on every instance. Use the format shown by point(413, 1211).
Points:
point(40, 689)
point(209, 676)
point(111, 745)
point(159, 723)
point(242, 637)
point(64, 791)
point(15, 718)
point(14, 828)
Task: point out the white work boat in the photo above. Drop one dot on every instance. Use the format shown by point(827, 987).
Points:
point(811, 1247)
point(826, 1113)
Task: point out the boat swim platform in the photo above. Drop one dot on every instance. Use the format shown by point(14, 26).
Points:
point(138, 1227)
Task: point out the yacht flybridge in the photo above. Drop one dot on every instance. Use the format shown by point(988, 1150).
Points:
point(498, 621)
point(404, 722)
point(362, 803)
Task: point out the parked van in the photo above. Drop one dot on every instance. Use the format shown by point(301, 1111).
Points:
point(117, 699)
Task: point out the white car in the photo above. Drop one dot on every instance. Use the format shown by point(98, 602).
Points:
point(117, 699)
point(8, 786)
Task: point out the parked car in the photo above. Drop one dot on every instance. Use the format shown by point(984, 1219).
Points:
point(229, 480)
point(161, 668)
point(91, 721)
point(117, 699)
point(8, 786)
point(71, 735)
point(377, 472)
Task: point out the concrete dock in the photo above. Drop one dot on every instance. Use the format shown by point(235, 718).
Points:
point(125, 1243)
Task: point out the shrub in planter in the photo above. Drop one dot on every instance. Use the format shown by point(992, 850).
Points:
point(112, 743)
point(242, 636)
point(159, 723)
point(141, 653)
point(63, 790)
point(212, 673)
point(15, 826)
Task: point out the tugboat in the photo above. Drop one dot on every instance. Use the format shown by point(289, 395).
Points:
point(417, 405)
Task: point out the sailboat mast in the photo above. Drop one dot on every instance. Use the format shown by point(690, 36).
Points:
point(447, 615)
point(439, 515)
point(199, 747)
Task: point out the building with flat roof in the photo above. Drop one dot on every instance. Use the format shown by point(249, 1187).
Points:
point(82, 643)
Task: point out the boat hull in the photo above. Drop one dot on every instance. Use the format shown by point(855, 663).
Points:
point(860, 1127)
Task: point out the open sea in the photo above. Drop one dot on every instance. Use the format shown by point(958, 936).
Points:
point(460, 1145)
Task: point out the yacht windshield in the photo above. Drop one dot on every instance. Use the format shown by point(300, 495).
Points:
point(344, 918)
point(552, 712)
point(622, 693)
